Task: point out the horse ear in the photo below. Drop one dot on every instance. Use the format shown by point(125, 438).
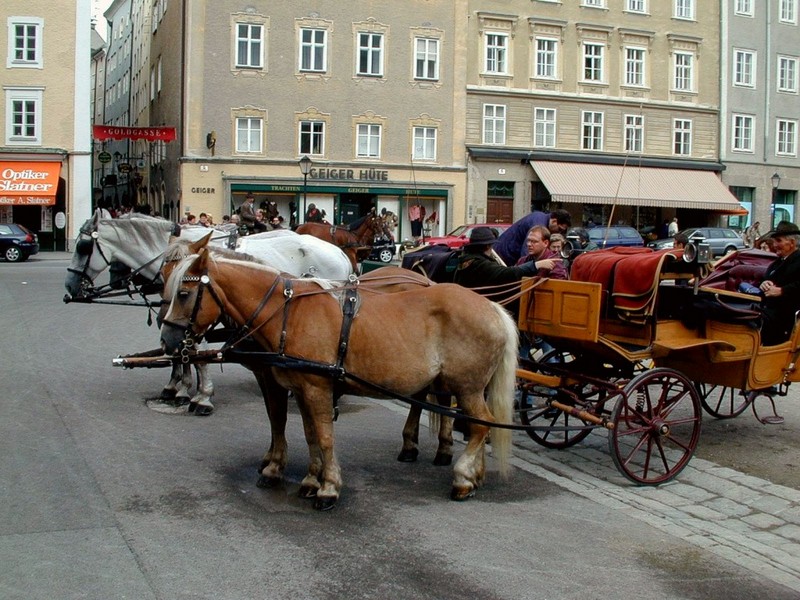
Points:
point(201, 262)
point(195, 247)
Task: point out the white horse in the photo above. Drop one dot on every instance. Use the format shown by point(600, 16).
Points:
point(139, 241)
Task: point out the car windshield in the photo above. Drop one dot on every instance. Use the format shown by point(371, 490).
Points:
point(459, 231)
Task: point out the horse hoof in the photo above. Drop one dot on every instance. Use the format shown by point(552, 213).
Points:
point(202, 410)
point(167, 394)
point(326, 503)
point(268, 483)
point(459, 493)
point(442, 460)
point(408, 456)
point(307, 492)
point(177, 401)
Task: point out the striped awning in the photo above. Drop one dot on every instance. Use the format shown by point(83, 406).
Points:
point(636, 186)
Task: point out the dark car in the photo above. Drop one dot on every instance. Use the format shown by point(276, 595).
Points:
point(383, 249)
point(17, 242)
point(616, 235)
point(722, 240)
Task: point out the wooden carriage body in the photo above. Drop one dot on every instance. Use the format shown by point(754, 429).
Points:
point(635, 304)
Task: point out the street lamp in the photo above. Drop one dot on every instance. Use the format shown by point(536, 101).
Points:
point(776, 180)
point(305, 167)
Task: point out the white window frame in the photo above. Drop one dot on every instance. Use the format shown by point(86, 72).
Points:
point(249, 137)
point(787, 12)
point(682, 137)
point(426, 58)
point(494, 124)
point(369, 59)
point(636, 6)
point(546, 58)
point(684, 9)
point(683, 72)
point(592, 129)
point(634, 134)
point(425, 140)
point(742, 131)
point(594, 3)
point(786, 137)
point(34, 96)
point(37, 62)
point(544, 127)
point(496, 53)
point(593, 62)
point(635, 66)
point(743, 8)
point(368, 140)
point(313, 52)
point(744, 68)
point(787, 74)
point(253, 49)
point(311, 140)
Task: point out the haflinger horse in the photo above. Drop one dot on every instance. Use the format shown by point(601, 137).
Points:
point(469, 349)
point(139, 241)
point(356, 240)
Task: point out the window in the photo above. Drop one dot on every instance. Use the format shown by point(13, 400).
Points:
point(786, 138)
point(742, 133)
point(592, 138)
point(788, 11)
point(684, 63)
point(312, 137)
point(25, 42)
point(787, 74)
point(249, 45)
point(634, 133)
point(424, 143)
point(313, 55)
point(248, 134)
point(634, 66)
point(494, 124)
point(369, 141)
point(594, 3)
point(744, 7)
point(23, 116)
point(544, 128)
point(546, 54)
point(593, 62)
point(370, 54)
point(684, 9)
point(496, 53)
point(744, 66)
point(426, 58)
point(637, 6)
point(682, 137)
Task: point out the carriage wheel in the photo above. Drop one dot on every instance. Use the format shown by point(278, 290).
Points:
point(723, 402)
point(656, 426)
point(551, 418)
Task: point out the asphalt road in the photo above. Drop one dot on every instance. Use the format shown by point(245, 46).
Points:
point(103, 497)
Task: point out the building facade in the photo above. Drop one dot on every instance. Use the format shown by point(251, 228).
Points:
point(45, 149)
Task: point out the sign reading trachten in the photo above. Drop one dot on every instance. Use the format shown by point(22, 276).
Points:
point(26, 183)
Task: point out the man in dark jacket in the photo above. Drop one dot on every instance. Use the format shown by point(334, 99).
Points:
point(511, 246)
point(781, 286)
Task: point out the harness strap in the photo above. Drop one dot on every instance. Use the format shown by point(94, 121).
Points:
point(288, 292)
point(348, 314)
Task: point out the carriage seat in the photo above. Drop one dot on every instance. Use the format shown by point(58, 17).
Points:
point(735, 276)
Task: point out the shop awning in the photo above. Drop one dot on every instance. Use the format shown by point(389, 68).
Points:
point(29, 183)
point(636, 186)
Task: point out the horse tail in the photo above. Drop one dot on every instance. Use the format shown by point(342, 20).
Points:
point(500, 390)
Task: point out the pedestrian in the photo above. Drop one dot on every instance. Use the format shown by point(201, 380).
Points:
point(751, 234)
point(512, 244)
point(203, 220)
point(672, 229)
point(538, 244)
point(313, 214)
point(248, 215)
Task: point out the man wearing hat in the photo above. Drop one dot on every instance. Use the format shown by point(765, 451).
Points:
point(781, 286)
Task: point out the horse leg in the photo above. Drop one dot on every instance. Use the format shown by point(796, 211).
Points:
point(318, 401)
point(410, 449)
point(470, 468)
point(201, 403)
point(444, 452)
point(177, 389)
point(310, 484)
point(276, 400)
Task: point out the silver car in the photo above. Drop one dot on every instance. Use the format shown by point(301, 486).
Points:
point(721, 239)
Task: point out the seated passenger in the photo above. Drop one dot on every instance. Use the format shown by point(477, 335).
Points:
point(781, 286)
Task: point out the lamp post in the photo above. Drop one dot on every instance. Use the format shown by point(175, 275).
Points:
point(305, 167)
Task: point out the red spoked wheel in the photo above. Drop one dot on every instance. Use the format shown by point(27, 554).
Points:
point(723, 402)
point(656, 426)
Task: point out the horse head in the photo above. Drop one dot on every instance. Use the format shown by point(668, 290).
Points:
point(86, 264)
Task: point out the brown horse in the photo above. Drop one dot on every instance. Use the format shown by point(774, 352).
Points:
point(356, 243)
point(469, 347)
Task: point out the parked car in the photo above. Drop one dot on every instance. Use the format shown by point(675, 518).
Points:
point(17, 242)
point(616, 235)
point(383, 249)
point(459, 237)
point(721, 239)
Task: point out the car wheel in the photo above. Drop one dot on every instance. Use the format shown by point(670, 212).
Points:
point(730, 249)
point(385, 255)
point(13, 254)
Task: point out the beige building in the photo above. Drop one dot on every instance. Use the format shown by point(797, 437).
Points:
point(45, 151)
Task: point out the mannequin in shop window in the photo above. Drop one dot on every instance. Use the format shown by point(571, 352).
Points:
point(416, 214)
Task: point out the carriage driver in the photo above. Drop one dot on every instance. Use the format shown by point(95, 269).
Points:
point(781, 286)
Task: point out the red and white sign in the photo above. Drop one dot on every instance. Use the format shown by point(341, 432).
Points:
point(151, 134)
point(29, 183)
